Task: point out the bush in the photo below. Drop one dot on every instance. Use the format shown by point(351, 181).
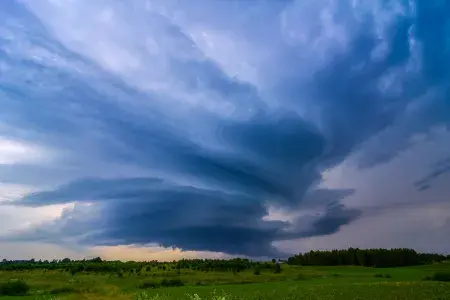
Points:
point(163, 283)
point(378, 275)
point(172, 282)
point(301, 277)
point(149, 285)
point(63, 290)
point(14, 288)
point(440, 276)
point(257, 271)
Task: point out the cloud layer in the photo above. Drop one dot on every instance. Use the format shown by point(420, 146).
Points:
point(182, 125)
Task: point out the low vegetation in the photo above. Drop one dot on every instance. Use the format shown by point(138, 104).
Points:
point(201, 279)
point(14, 287)
point(439, 276)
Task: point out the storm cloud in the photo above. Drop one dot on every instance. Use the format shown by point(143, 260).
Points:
point(181, 125)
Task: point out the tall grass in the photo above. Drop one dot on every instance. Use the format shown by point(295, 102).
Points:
point(14, 287)
point(214, 296)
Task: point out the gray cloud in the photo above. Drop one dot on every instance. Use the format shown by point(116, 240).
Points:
point(168, 147)
point(183, 216)
point(440, 168)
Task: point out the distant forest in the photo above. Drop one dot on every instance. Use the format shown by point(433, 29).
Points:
point(378, 258)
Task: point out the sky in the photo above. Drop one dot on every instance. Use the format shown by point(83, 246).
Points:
point(162, 129)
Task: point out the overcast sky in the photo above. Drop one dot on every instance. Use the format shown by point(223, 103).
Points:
point(160, 129)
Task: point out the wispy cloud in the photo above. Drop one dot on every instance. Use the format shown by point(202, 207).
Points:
point(181, 123)
point(439, 169)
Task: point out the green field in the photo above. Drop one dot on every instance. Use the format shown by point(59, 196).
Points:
point(293, 282)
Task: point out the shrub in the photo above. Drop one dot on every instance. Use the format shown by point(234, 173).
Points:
point(172, 282)
point(149, 285)
point(257, 271)
point(163, 283)
point(378, 275)
point(63, 290)
point(441, 276)
point(387, 276)
point(14, 288)
point(301, 277)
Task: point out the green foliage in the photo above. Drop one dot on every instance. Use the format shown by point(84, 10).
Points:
point(119, 273)
point(358, 257)
point(97, 265)
point(439, 276)
point(185, 279)
point(379, 258)
point(172, 282)
point(152, 284)
point(146, 296)
point(301, 277)
point(45, 297)
point(378, 275)
point(214, 296)
point(14, 287)
point(63, 290)
point(289, 291)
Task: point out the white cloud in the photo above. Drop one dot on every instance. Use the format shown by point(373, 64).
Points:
point(12, 152)
point(11, 192)
point(14, 218)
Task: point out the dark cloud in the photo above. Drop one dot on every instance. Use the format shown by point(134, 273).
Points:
point(439, 169)
point(209, 170)
point(143, 210)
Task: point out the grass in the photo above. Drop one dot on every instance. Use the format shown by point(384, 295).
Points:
point(292, 283)
point(14, 287)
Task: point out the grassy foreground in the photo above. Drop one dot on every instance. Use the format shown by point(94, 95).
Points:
point(292, 283)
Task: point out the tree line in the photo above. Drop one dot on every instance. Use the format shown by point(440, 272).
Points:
point(378, 258)
point(98, 265)
point(352, 256)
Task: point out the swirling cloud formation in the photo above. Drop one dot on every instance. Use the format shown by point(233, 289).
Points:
point(181, 123)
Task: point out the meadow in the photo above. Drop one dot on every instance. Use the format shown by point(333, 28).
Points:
point(289, 282)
